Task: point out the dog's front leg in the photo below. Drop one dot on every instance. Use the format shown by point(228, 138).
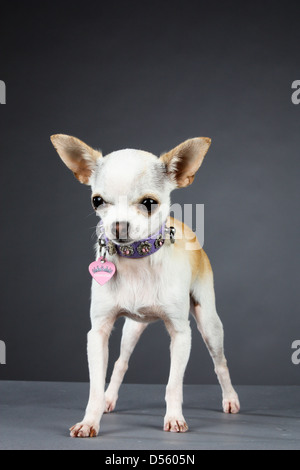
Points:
point(132, 331)
point(97, 358)
point(180, 351)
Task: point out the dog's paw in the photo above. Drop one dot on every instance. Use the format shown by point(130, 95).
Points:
point(84, 430)
point(110, 402)
point(175, 424)
point(231, 404)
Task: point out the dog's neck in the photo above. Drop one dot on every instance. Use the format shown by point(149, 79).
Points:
point(139, 249)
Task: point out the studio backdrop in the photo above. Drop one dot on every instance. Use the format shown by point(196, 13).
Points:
point(149, 75)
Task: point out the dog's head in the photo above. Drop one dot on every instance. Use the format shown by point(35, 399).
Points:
point(131, 188)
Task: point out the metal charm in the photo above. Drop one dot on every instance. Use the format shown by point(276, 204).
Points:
point(171, 231)
point(111, 248)
point(159, 242)
point(103, 249)
point(144, 248)
point(126, 250)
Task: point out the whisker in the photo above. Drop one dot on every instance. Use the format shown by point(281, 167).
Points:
point(94, 234)
point(92, 213)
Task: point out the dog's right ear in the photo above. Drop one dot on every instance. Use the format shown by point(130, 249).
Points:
point(78, 156)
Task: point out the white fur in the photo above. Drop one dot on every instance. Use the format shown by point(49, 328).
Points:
point(156, 287)
point(122, 178)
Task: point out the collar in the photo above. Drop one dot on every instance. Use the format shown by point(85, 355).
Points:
point(140, 249)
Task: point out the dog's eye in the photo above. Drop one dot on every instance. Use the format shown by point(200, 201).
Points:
point(149, 204)
point(97, 201)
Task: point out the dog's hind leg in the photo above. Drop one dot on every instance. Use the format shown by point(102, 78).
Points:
point(210, 326)
point(132, 331)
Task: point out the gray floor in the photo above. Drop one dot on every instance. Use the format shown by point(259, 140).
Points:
point(36, 415)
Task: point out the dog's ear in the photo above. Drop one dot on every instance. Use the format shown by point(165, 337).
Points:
point(184, 161)
point(79, 157)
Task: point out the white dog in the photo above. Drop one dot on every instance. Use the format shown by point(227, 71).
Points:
point(147, 270)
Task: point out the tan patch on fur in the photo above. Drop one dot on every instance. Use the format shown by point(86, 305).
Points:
point(153, 313)
point(185, 237)
point(144, 315)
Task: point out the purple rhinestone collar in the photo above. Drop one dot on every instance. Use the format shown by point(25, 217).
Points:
point(139, 249)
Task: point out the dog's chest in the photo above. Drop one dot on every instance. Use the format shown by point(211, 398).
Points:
point(143, 289)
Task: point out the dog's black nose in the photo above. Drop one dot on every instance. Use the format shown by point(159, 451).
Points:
point(120, 230)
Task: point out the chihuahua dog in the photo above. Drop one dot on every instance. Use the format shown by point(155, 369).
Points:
point(148, 270)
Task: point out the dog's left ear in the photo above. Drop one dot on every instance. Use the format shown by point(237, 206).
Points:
point(78, 156)
point(184, 161)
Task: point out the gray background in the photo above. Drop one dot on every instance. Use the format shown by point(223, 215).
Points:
point(149, 75)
